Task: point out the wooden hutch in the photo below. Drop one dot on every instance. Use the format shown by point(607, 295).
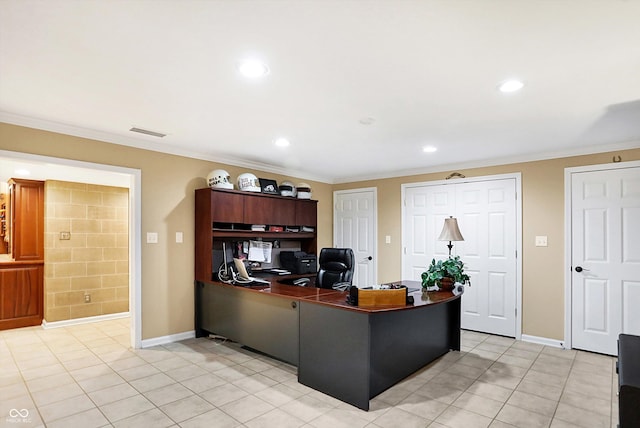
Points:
point(227, 215)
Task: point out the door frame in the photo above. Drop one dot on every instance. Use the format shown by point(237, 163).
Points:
point(374, 191)
point(568, 232)
point(518, 184)
point(112, 176)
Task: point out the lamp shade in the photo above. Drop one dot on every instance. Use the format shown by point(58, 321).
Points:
point(450, 230)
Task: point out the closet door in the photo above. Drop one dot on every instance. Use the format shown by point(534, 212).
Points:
point(486, 213)
point(426, 207)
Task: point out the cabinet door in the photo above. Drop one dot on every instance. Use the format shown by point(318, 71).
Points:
point(274, 211)
point(306, 213)
point(227, 207)
point(21, 296)
point(27, 234)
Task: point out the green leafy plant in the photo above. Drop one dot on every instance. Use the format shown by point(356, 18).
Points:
point(452, 268)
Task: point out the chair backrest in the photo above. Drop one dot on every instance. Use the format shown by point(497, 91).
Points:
point(336, 265)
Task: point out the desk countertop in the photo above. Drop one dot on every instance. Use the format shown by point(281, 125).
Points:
point(338, 298)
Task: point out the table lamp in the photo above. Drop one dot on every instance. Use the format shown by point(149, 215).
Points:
point(450, 232)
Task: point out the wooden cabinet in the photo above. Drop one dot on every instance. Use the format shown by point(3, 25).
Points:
point(4, 223)
point(21, 294)
point(306, 213)
point(227, 215)
point(21, 279)
point(27, 219)
point(280, 212)
point(227, 207)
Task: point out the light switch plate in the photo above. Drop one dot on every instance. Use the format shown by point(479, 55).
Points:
point(179, 237)
point(541, 241)
point(387, 239)
point(152, 237)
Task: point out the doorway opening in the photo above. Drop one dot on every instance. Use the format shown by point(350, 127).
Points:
point(50, 168)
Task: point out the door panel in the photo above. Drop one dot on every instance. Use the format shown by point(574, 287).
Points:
point(596, 319)
point(497, 296)
point(605, 224)
point(630, 312)
point(355, 228)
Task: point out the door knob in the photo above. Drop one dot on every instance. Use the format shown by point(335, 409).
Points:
point(369, 258)
point(580, 269)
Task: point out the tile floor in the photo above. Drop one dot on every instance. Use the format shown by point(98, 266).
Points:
point(87, 376)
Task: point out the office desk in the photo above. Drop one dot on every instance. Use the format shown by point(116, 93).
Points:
point(351, 353)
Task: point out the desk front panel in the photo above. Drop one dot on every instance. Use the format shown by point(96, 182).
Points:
point(260, 321)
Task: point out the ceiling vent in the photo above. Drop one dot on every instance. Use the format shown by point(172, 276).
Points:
point(147, 132)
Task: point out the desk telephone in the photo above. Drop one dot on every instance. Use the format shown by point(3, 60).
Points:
point(301, 282)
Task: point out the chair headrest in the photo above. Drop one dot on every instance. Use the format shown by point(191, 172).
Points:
point(336, 258)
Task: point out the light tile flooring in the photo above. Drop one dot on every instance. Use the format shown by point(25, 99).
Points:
point(87, 376)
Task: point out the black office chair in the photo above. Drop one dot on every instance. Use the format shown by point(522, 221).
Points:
point(336, 265)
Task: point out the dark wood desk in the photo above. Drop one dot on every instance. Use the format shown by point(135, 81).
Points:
point(351, 353)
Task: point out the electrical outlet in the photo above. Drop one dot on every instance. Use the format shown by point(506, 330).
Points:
point(87, 298)
point(541, 241)
point(65, 236)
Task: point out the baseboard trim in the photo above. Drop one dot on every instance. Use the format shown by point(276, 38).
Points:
point(543, 341)
point(87, 320)
point(163, 340)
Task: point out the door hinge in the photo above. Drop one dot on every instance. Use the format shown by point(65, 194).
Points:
point(404, 250)
point(516, 311)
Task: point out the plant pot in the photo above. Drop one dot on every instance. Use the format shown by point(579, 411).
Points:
point(446, 284)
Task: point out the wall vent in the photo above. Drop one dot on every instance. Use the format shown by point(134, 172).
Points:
point(147, 132)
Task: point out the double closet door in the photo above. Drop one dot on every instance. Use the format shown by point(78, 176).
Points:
point(487, 216)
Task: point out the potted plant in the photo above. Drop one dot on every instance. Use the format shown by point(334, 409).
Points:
point(444, 273)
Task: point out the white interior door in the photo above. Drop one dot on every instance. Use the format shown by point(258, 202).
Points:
point(487, 216)
point(605, 257)
point(355, 227)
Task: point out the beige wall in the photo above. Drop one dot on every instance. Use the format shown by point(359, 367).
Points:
point(168, 184)
point(95, 260)
point(542, 214)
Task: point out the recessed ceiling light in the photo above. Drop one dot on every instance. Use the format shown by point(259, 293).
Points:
point(512, 85)
point(253, 68)
point(429, 149)
point(281, 142)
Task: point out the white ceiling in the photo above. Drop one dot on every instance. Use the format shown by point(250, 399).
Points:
point(425, 71)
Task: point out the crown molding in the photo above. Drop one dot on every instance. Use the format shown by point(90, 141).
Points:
point(155, 146)
point(580, 151)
